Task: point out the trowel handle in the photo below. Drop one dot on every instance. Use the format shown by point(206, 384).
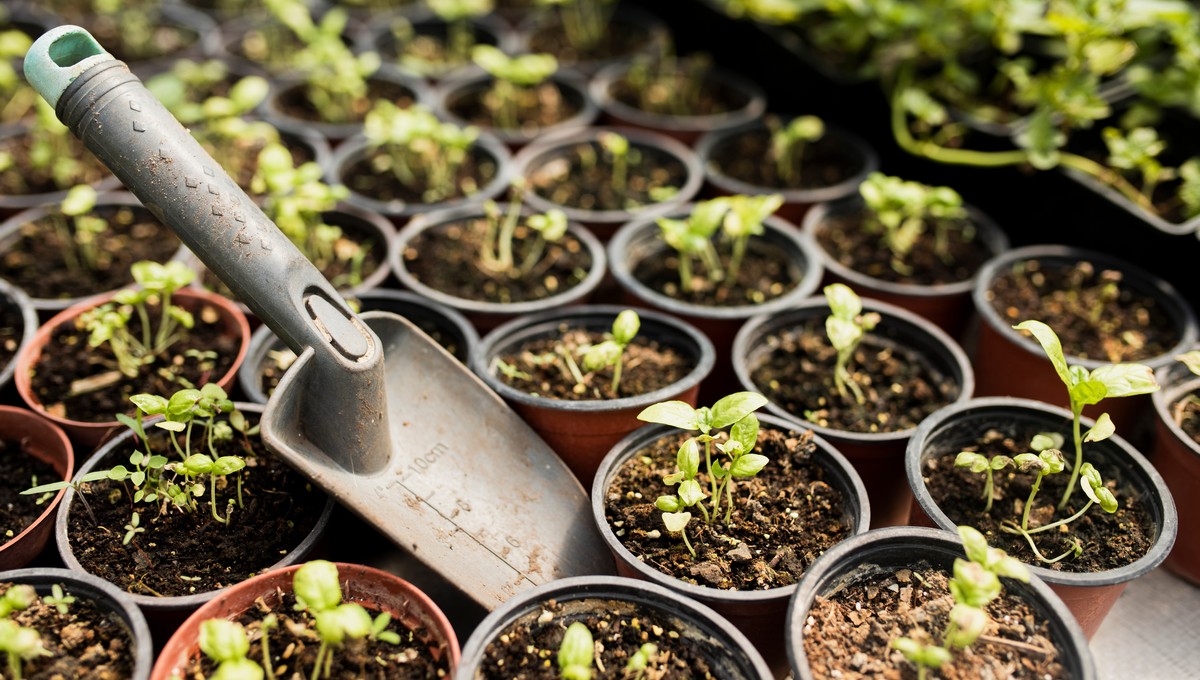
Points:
point(121, 122)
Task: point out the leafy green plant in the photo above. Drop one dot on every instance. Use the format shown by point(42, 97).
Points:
point(460, 38)
point(617, 148)
point(611, 352)
point(319, 592)
point(515, 79)
point(496, 253)
point(59, 599)
point(576, 653)
point(16, 641)
point(226, 643)
point(788, 143)
point(902, 210)
point(52, 156)
point(976, 582)
point(738, 217)
point(17, 96)
point(421, 152)
point(736, 412)
point(846, 325)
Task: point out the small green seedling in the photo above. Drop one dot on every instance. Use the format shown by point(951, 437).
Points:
point(737, 217)
point(17, 95)
point(1086, 387)
point(639, 661)
point(420, 151)
point(975, 583)
point(735, 412)
point(458, 14)
point(17, 642)
point(666, 84)
point(78, 230)
point(979, 463)
point(617, 148)
point(496, 249)
point(611, 352)
point(17, 598)
point(319, 592)
point(226, 643)
point(576, 653)
point(846, 326)
point(514, 79)
point(788, 143)
point(59, 599)
point(584, 22)
point(903, 210)
point(745, 219)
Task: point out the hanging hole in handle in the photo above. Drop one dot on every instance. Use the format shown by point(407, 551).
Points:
point(72, 48)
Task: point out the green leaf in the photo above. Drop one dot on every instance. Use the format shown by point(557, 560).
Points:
point(1191, 360)
point(968, 624)
point(226, 465)
point(690, 493)
point(972, 460)
point(150, 404)
point(626, 326)
point(1029, 462)
point(171, 425)
point(1051, 345)
point(844, 303)
point(196, 464)
point(669, 504)
point(118, 473)
point(973, 584)
point(156, 462)
point(1046, 440)
point(1093, 486)
point(47, 488)
point(730, 409)
point(674, 413)
point(80, 199)
point(223, 640)
point(842, 333)
point(974, 544)
point(577, 647)
point(748, 465)
point(745, 432)
point(674, 478)
point(688, 458)
point(676, 521)
point(316, 585)
point(999, 462)
point(1103, 429)
point(1088, 392)
point(1124, 380)
point(1053, 458)
point(1002, 565)
point(137, 478)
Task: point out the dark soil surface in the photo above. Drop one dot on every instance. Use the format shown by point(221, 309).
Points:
point(900, 386)
point(660, 97)
point(527, 650)
point(783, 518)
point(370, 176)
point(86, 643)
point(1095, 315)
point(21, 471)
point(22, 178)
point(647, 366)
point(581, 176)
point(766, 273)
point(129, 34)
point(1109, 541)
point(294, 644)
point(1187, 414)
point(619, 40)
point(446, 258)
point(239, 157)
point(37, 261)
point(12, 328)
point(295, 101)
point(748, 157)
point(851, 243)
point(537, 107)
point(181, 553)
point(848, 635)
point(74, 381)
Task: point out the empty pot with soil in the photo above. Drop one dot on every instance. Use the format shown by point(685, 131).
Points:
point(743, 559)
point(1177, 459)
point(895, 582)
point(32, 451)
point(1099, 552)
point(690, 640)
point(18, 323)
point(579, 376)
point(817, 164)
point(904, 368)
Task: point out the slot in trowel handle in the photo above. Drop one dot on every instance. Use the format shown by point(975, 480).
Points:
point(121, 122)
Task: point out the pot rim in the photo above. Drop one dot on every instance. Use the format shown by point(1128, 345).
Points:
point(827, 456)
point(756, 102)
point(29, 321)
point(1176, 380)
point(534, 325)
point(60, 438)
point(1168, 524)
point(433, 219)
point(783, 232)
point(1173, 303)
point(539, 151)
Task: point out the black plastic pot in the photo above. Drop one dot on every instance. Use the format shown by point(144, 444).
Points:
point(11, 296)
point(356, 148)
point(483, 314)
point(878, 457)
point(1106, 192)
point(106, 597)
point(582, 432)
point(625, 20)
point(1089, 596)
point(604, 223)
point(415, 308)
point(470, 85)
point(797, 202)
point(485, 30)
point(1011, 364)
point(757, 613)
point(750, 103)
point(726, 649)
point(1177, 459)
point(947, 305)
point(887, 550)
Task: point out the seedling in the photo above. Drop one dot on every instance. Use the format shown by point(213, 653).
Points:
point(617, 148)
point(788, 143)
point(667, 85)
point(58, 599)
point(226, 643)
point(576, 653)
point(17, 96)
point(54, 156)
point(738, 217)
point(319, 592)
point(584, 22)
point(515, 79)
point(422, 153)
point(459, 40)
point(611, 352)
point(639, 661)
point(745, 219)
point(496, 249)
point(901, 211)
point(846, 326)
point(982, 464)
point(735, 412)
point(975, 583)
point(78, 229)
point(17, 642)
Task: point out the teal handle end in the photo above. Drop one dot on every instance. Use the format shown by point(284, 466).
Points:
point(58, 57)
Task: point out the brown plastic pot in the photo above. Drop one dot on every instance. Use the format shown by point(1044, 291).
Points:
point(1089, 596)
point(1177, 459)
point(374, 589)
point(749, 103)
point(89, 434)
point(887, 550)
point(582, 432)
point(45, 441)
point(796, 202)
point(877, 457)
point(1010, 364)
point(759, 614)
point(166, 613)
point(947, 305)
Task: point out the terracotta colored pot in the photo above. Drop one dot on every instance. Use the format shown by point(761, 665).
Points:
point(1013, 365)
point(582, 432)
point(44, 441)
point(947, 305)
point(376, 590)
point(877, 457)
point(749, 104)
point(759, 614)
point(11, 296)
point(1089, 596)
point(166, 613)
point(86, 434)
point(1177, 459)
point(882, 550)
point(486, 315)
point(724, 647)
point(603, 223)
point(797, 202)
